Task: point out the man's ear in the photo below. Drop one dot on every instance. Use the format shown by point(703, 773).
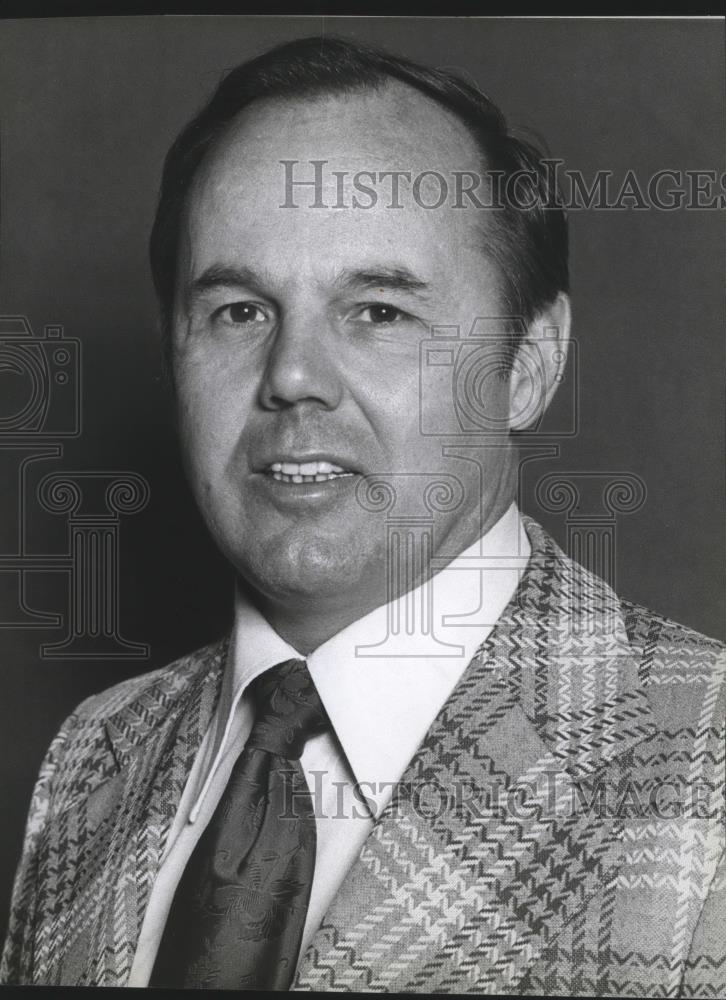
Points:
point(539, 364)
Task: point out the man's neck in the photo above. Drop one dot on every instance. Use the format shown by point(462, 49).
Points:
point(305, 630)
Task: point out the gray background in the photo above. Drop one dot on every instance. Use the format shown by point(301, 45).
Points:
point(88, 108)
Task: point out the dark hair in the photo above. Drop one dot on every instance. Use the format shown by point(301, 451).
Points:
point(529, 238)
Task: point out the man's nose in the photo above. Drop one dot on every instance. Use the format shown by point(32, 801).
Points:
point(301, 365)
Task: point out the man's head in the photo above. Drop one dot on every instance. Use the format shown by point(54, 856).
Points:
point(295, 332)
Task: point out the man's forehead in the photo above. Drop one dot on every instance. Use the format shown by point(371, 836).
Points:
point(391, 127)
point(239, 210)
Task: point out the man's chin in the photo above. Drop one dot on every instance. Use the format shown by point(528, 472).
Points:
point(315, 569)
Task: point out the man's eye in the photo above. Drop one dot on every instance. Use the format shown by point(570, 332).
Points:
point(380, 314)
point(242, 312)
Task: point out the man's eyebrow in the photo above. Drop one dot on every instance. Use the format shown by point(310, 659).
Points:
point(384, 277)
point(223, 276)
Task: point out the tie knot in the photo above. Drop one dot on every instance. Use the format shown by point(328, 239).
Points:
point(288, 709)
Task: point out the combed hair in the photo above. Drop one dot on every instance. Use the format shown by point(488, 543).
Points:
point(528, 244)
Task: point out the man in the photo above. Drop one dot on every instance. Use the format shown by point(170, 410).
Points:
point(435, 754)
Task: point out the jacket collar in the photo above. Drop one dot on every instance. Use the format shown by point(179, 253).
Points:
point(152, 742)
point(180, 700)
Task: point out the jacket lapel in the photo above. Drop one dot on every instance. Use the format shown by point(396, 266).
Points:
point(124, 810)
point(466, 897)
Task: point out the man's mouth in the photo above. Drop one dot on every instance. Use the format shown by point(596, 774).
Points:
point(306, 472)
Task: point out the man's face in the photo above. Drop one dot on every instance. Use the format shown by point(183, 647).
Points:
point(297, 337)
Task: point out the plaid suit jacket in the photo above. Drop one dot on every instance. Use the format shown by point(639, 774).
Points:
point(570, 839)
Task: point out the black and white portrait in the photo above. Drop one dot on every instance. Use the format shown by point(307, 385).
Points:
point(361, 538)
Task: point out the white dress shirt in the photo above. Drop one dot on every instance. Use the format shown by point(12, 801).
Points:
point(381, 696)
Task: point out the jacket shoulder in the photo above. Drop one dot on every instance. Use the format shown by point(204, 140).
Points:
point(173, 677)
point(683, 673)
point(659, 641)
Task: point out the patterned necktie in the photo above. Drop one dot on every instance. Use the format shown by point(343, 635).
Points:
point(237, 918)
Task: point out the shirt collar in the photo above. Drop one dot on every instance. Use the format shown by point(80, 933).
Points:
point(384, 678)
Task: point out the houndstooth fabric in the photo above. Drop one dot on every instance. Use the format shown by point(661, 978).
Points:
point(559, 831)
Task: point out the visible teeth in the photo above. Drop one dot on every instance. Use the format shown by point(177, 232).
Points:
point(305, 468)
point(320, 478)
